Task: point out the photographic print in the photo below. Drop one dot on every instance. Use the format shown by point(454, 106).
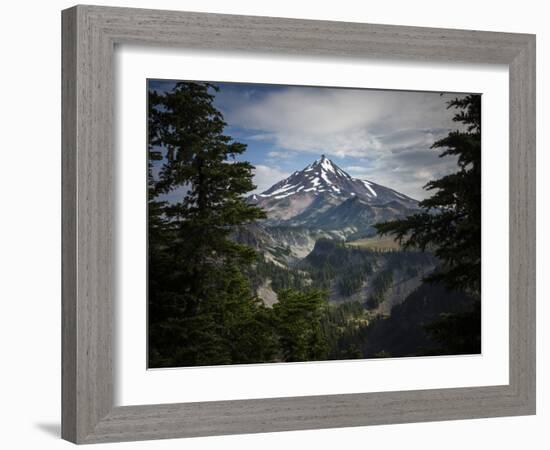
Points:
point(300, 223)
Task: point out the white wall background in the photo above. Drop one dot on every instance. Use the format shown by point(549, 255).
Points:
point(30, 236)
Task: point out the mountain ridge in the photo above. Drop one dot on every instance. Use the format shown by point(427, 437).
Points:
point(317, 195)
point(323, 175)
point(314, 217)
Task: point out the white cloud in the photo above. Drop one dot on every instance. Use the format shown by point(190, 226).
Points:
point(344, 122)
point(385, 136)
point(265, 177)
point(279, 154)
point(398, 172)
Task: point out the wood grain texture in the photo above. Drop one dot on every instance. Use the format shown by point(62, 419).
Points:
point(89, 36)
point(68, 224)
point(522, 224)
point(87, 241)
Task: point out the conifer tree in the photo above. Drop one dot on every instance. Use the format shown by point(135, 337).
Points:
point(450, 223)
point(201, 307)
point(298, 321)
point(450, 226)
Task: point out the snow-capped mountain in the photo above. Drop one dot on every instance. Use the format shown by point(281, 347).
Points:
point(310, 215)
point(324, 196)
point(324, 175)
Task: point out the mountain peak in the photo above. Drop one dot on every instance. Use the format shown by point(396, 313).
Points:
point(315, 193)
point(326, 164)
point(324, 178)
point(320, 176)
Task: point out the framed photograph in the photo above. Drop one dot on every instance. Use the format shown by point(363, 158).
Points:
point(268, 222)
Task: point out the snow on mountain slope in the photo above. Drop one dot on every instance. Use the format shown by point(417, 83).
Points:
point(307, 194)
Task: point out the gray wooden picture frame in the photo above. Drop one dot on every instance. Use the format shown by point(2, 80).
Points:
point(90, 34)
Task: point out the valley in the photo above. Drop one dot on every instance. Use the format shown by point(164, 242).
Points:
point(306, 268)
point(319, 234)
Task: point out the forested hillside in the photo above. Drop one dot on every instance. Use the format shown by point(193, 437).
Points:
point(299, 272)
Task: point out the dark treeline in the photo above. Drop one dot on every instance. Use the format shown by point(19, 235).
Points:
point(202, 302)
point(282, 278)
point(450, 226)
point(203, 309)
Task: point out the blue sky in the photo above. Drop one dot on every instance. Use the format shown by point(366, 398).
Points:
point(381, 136)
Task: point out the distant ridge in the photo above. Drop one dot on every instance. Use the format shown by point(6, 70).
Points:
point(308, 195)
